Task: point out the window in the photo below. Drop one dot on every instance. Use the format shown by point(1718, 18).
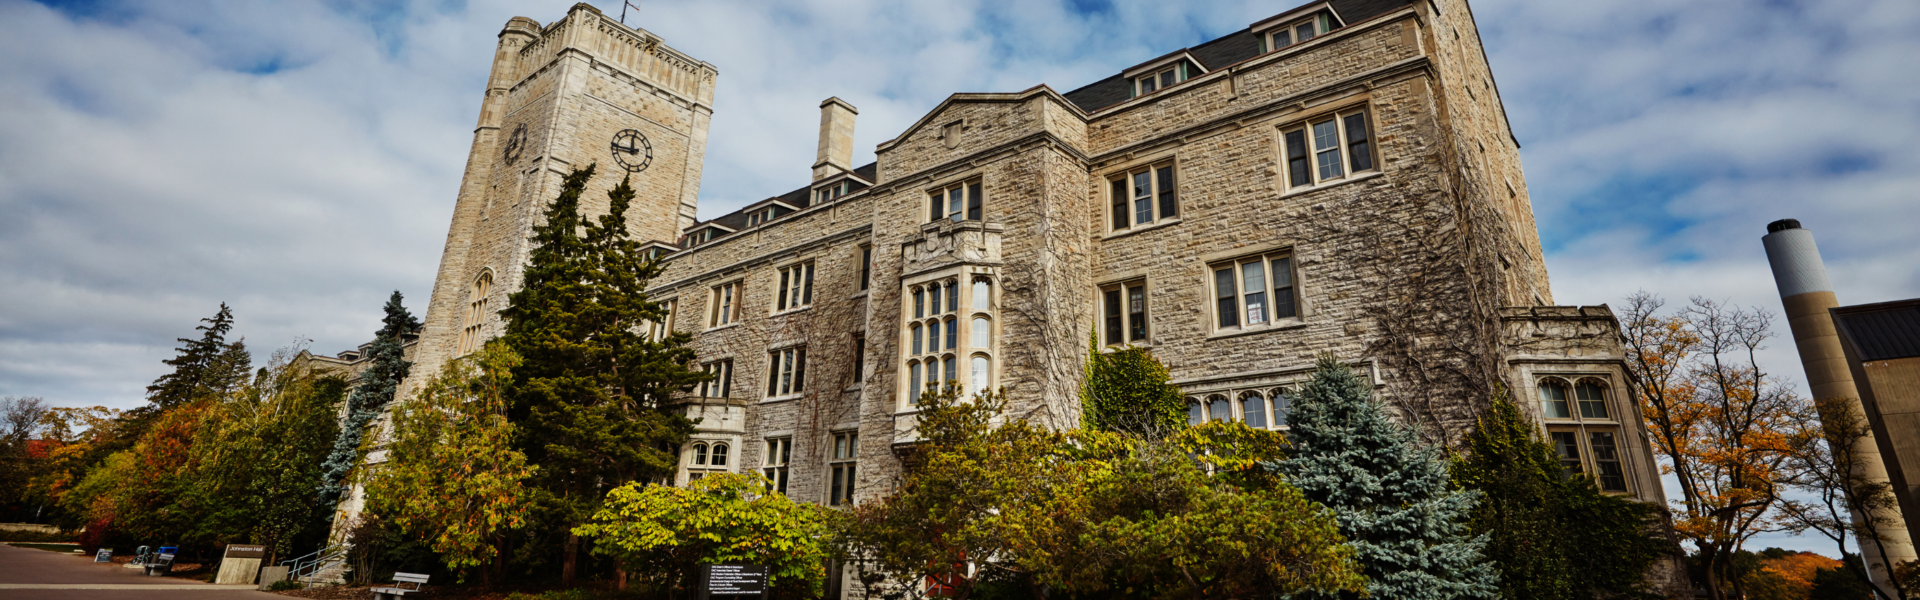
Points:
point(476, 322)
point(796, 287)
point(1161, 78)
point(860, 358)
point(721, 386)
point(1254, 291)
point(955, 202)
point(846, 449)
point(950, 337)
point(1124, 312)
point(704, 458)
point(786, 371)
point(1218, 409)
point(659, 330)
point(1584, 433)
point(1196, 413)
point(1261, 409)
point(1298, 32)
point(866, 267)
point(723, 304)
point(1328, 148)
point(1253, 409)
point(760, 216)
point(1142, 196)
point(832, 191)
point(774, 463)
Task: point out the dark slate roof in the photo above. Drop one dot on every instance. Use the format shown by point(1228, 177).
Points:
point(800, 198)
point(1883, 331)
point(1220, 52)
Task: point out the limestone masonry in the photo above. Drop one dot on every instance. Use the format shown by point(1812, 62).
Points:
point(1337, 178)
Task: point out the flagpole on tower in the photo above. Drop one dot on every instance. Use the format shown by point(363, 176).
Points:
point(623, 10)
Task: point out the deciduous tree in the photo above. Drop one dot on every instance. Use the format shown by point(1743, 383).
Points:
point(452, 474)
point(665, 533)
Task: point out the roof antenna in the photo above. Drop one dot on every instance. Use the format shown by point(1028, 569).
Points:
point(623, 10)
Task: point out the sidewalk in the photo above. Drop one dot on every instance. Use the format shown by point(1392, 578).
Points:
point(28, 574)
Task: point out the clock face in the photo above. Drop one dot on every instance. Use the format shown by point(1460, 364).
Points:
point(632, 151)
point(516, 143)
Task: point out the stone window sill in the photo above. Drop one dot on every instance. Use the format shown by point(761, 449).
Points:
point(1307, 189)
point(1143, 228)
point(1288, 324)
point(779, 399)
point(790, 311)
point(726, 326)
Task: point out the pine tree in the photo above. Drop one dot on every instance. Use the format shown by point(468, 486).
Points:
point(1390, 495)
point(193, 376)
point(590, 390)
point(1551, 536)
point(369, 397)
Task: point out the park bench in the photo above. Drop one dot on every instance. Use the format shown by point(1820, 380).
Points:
point(399, 579)
point(160, 565)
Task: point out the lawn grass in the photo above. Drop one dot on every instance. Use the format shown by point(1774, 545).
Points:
point(61, 548)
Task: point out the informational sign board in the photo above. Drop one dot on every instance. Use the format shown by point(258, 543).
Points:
point(245, 551)
point(104, 555)
point(733, 581)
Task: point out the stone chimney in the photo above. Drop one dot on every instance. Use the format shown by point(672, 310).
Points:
point(836, 138)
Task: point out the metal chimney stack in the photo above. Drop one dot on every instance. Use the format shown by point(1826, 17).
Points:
point(1807, 296)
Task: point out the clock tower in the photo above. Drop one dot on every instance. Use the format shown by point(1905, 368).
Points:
point(584, 90)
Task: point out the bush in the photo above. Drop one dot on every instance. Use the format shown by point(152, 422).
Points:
point(284, 585)
point(64, 537)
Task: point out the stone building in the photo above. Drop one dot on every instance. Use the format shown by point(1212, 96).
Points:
point(1339, 178)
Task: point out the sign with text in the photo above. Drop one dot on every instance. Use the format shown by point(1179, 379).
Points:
point(246, 551)
point(104, 555)
point(733, 580)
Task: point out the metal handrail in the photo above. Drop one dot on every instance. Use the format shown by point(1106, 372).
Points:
point(312, 564)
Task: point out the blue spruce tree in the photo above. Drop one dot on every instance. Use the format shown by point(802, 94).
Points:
point(1390, 495)
point(370, 395)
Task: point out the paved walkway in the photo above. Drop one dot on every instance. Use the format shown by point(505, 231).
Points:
point(28, 574)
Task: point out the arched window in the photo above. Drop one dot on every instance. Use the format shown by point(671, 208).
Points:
point(982, 330)
point(953, 296)
point(982, 294)
point(1282, 404)
point(1196, 413)
point(935, 297)
point(476, 313)
point(933, 336)
point(913, 381)
point(1218, 409)
point(1253, 409)
point(979, 384)
point(919, 303)
point(953, 332)
point(953, 369)
point(700, 455)
point(1592, 399)
point(719, 456)
point(917, 333)
point(1553, 399)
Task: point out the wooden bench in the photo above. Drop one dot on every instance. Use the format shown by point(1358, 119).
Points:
point(399, 579)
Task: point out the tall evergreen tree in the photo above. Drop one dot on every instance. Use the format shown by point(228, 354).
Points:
point(369, 397)
point(1550, 535)
point(1390, 495)
point(590, 388)
point(194, 377)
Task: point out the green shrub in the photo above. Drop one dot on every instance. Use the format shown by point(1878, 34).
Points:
point(64, 537)
point(284, 585)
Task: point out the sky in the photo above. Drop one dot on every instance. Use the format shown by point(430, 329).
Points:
point(299, 160)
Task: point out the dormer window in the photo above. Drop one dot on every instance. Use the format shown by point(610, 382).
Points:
point(1163, 77)
point(1295, 27)
point(830, 192)
point(760, 216)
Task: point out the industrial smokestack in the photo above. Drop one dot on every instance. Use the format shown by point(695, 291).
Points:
point(1807, 294)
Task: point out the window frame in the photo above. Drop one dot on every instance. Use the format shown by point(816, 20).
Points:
point(479, 295)
point(1273, 411)
point(1162, 197)
point(1117, 296)
point(786, 371)
point(659, 330)
point(794, 287)
point(866, 267)
point(941, 342)
point(776, 463)
point(723, 304)
point(842, 466)
point(1301, 157)
point(1160, 78)
point(703, 457)
point(1270, 292)
point(722, 382)
point(1321, 22)
point(1584, 428)
point(968, 205)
